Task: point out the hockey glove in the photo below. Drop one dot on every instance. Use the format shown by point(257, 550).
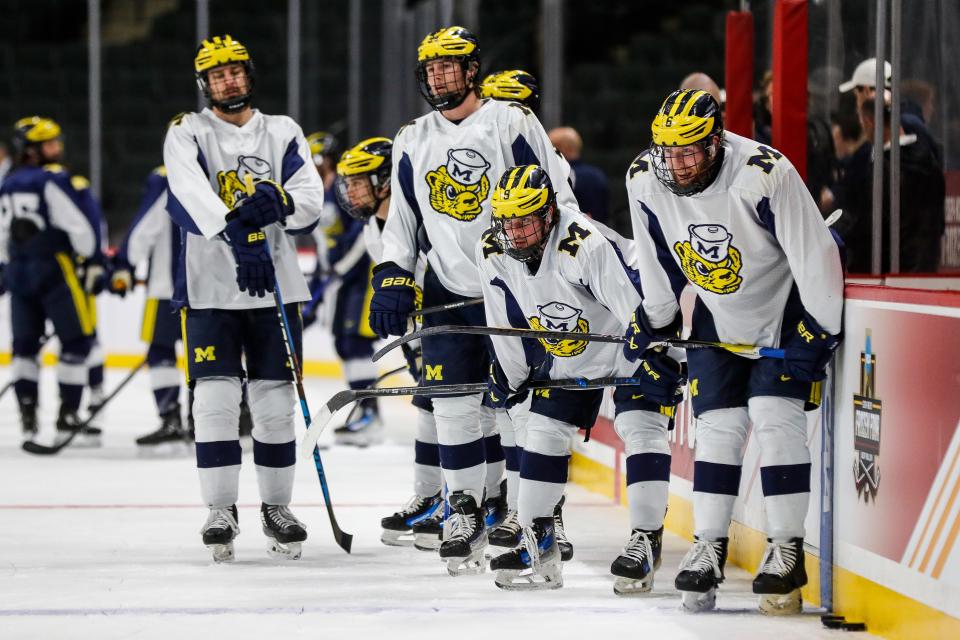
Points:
point(92, 275)
point(499, 393)
point(808, 351)
point(318, 285)
point(640, 333)
point(394, 297)
point(255, 273)
point(661, 378)
point(119, 277)
point(268, 204)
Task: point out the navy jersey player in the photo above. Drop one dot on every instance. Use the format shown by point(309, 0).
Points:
point(44, 230)
point(444, 163)
point(732, 218)
point(226, 275)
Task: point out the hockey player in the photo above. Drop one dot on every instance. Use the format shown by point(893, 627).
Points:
point(732, 217)
point(514, 85)
point(227, 274)
point(547, 267)
point(153, 237)
point(43, 229)
point(443, 166)
point(342, 283)
point(363, 189)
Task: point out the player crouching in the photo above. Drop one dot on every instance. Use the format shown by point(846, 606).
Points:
point(547, 266)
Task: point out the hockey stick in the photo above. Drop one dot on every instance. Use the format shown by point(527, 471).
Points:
point(343, 398)
point(747, 349)
point(373, 385)
point(446, 307)
point(43, 340)
point(345, 540)
point(47, 450)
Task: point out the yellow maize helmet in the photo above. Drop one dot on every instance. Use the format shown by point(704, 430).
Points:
point(458, 44)
point(323, 144)
point(219, 51)
point(514, 85)
point(686, 148)
point(30, 132)
point(523, 192)
point(370, 159)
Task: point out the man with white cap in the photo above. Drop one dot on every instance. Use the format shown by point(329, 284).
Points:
point(863, 82)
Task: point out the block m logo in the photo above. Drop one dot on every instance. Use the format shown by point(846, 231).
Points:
point(201, 354)
point(434, 371)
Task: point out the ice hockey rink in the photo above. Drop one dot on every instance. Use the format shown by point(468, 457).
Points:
point(104, 543)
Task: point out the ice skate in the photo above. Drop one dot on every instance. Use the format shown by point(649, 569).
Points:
point(465, 537)
point(507, 536)
point(68, 422)
point(219, 531)
point(365, 431)
point(428, 533)
point(28, 419)
point(284, 532)
point(780, 577)
point(398, 528)
point(171, 437)
point(635, 567)
point(495, 509)
point(535, 564)
point(701, 572)
point(566, 547)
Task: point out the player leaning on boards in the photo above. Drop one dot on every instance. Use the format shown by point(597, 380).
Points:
point(733, 218)
point(443, 166)
point(547, 266)
point(225, 272)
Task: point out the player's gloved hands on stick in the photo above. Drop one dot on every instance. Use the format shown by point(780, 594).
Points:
point(255, 273)
point(268, 204)
point(640, 333)
point(119, 276)
point(394, 297)
point(808, 351)
point(500, 395)
point(92, 275)
point(661, 378)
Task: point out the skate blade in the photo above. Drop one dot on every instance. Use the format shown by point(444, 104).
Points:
point(425, 542)
point(529, 580)
point(473, 564)
point(630, 587)
point(222, 552)
point(785, 604)
point(284, 550)
point(397, 538)
point(695, 602)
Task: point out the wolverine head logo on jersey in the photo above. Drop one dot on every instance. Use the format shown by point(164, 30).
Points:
point(709, 260)
point(232, 188)
point(557, 316)
point(459, 188)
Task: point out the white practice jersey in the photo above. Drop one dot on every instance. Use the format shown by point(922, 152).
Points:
point(443, 177)
point(373, 239)
point(207, 160)
point(154, 238)
point(582, 284)
point(743, 243)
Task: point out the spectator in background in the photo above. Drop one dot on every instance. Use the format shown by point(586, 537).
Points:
point(918, 98)
point(701, 81)
point(922, 194)
point(589, 182)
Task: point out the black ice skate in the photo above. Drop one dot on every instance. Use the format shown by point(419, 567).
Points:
point(781, 575)
point(365, 431)
point(465, 538)
point(508, 534)
point(284, 532)
point(219, 531)
point(171, 432)
point(428, 533)
point(398, 528)
point(495, 509)
point(635, 567)
point(701, 571)
point(566, 547)
point(68, 422)
point(28, 418)
point(535, 564)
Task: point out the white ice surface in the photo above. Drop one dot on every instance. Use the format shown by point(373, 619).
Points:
point(105, 544)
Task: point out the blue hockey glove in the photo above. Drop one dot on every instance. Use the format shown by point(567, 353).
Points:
point(318, 285)
point(808, 351)
point(268, 204)
point(255, 273)
point(119, 276)
point(394, 297)
point(640, 333)
point(661, 378)
point(499, 394)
